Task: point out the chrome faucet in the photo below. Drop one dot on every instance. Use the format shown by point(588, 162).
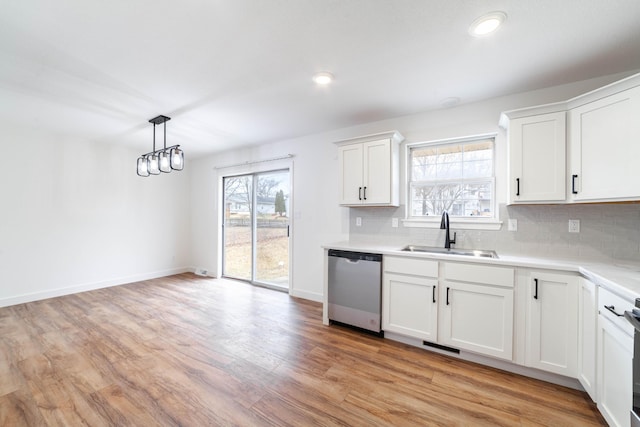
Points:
point(444, 225)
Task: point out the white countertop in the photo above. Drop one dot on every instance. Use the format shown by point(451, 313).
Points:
point(620, 277)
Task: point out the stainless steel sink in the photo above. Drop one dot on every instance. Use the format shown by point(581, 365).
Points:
point(454, 251)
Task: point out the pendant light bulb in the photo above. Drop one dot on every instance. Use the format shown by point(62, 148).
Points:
point(164, 161)
point(153, 164)
point(177, 159)
point(142, 169)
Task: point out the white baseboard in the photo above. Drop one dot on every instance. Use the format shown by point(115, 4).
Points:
point(52, 293)
point(306, 295)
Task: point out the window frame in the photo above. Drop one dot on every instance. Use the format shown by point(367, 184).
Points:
point(471, 223)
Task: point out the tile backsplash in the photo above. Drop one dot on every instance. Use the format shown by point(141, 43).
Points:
point(607, 231)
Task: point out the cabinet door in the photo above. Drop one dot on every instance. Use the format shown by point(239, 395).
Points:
point(605, 146)
point(587, 332)
point(351, 167)
point(552, 323)
point(477, 318)
point(377, 179)
point(615, 388)
point(537, 158)
point(409, 306)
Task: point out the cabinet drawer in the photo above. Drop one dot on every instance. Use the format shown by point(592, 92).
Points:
point(475, 273)
point(608, 303)
point(414, 266)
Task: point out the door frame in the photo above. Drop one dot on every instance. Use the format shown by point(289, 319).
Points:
point(256, 167)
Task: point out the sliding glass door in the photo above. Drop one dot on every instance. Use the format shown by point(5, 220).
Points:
point(256, 227)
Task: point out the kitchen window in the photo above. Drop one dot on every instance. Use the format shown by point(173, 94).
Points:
point(456, 176)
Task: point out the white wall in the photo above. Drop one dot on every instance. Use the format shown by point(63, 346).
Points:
point(75, 216)
point(317, 218)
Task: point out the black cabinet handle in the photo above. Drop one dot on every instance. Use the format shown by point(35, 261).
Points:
point(613, 310)
point(535, 295)
point(359, 193)
point(573, 184)
point(365, 193)
point(434, 295)
point(517, 186)
point(447, 295)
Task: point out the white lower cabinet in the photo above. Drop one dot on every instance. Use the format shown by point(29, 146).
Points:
point(409, 303)
point(476, 308)
point(566, 324)
point(410, 306)
point(587, 333)
point(615, 355)
point(552, 323)
point(478, 318)
point(464, 306)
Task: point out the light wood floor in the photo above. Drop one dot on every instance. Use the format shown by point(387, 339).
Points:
point(191, 351)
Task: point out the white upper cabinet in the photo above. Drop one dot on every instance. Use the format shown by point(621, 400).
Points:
point(537, 158)
point(605, 146)
point(581, 150)
point(369, 170)
point(351, 166)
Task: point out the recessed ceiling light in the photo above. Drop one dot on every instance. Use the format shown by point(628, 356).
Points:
point(487, 24)
point(323, 78)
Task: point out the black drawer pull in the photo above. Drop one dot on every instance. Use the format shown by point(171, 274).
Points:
point(434, 295)
point(573, 184)
point(365, 193)
point(613, 310)
point(359, 193)
point(535, 294)
point(447, 295)
point(517, 186)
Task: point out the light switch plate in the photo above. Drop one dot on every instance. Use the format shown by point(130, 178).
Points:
point(574, 226)
point(394, 222)
point(358, 221)
point(513, 224)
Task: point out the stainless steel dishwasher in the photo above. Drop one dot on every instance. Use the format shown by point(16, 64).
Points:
point(355, 289)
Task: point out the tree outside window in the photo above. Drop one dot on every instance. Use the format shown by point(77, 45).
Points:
point(456, 177)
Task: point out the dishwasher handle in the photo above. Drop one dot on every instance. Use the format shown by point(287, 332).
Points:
point(355, 256)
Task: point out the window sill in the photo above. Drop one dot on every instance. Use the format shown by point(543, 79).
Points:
point(460, 224)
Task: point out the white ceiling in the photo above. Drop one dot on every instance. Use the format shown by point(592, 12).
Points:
point(238, 72)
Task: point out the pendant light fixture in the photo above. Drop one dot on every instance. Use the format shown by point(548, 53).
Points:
point(162, 160)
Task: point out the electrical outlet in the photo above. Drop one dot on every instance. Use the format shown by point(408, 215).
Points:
point(574, 226)
point(394, 222)
point(513, 224)
point(201, 271)
point(358, 221)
